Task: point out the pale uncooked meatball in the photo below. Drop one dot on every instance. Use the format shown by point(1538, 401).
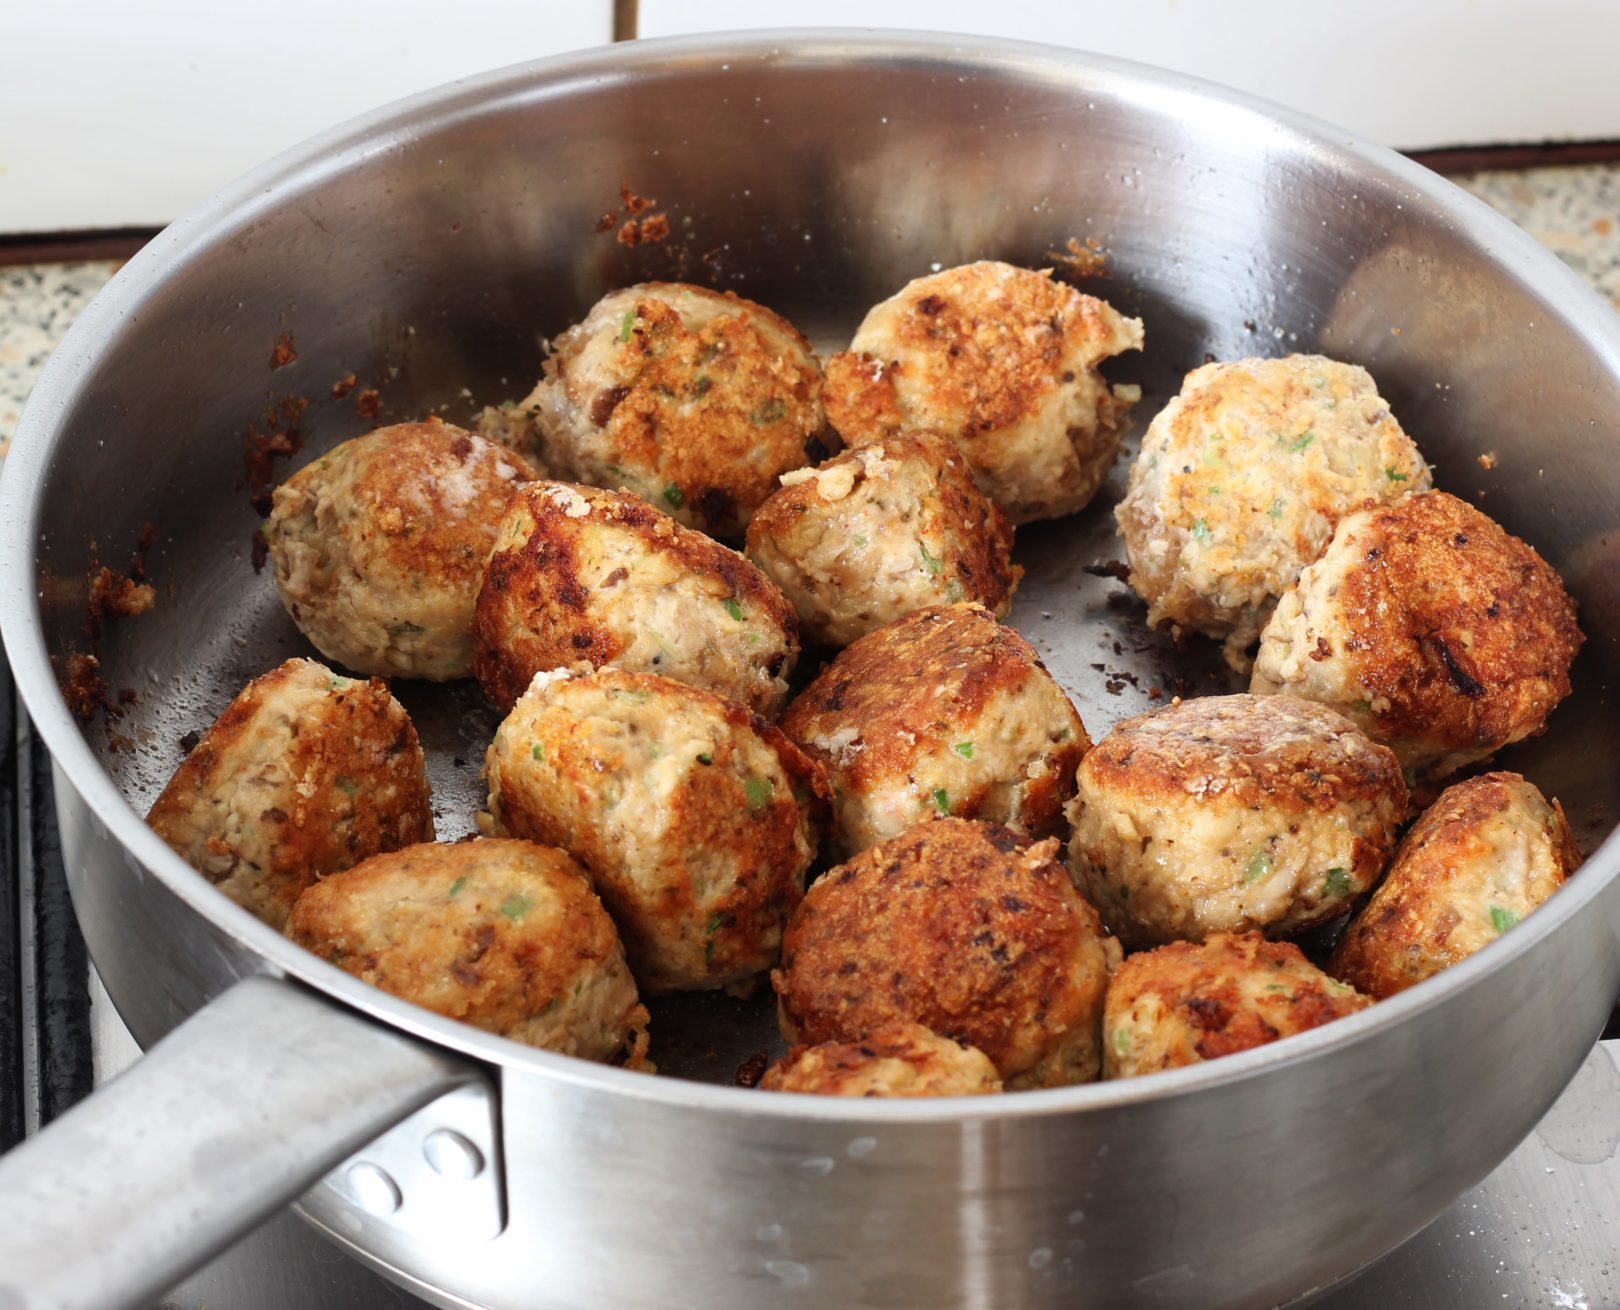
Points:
point(504, 935)
point(898, 1059)
point(942, 712)
point(695, 400)
point(696, 819)
point(379, 544)
point(1483, 856)
point(1431, 628)
point(1240, 481)
point(876, 533)
point(1188, 1002)
point(580, 575)
point(968, 929)
point(1002, 360)
point(305, 773)
point(1230, 813)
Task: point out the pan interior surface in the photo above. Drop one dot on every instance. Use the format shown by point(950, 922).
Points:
point(431, 259)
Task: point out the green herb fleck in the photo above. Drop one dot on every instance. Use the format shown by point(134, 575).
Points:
point(1123, 892)
point(551, 1005)
point(964, 749)
point(701, 384)
point(1276, 987)
point(1300, 442)
point(717, 921)
point(857, 541)
point(1361, 706)
point(628, 323)
point(709, 352)
point(1337, 884)
point(1259, 866)
point(537, 751)
point(614, 471)
point(753, 638)
point(456, 886)
point(772, 410)
point(1318, 381)
point(953, 591)
point(705, 758)
point(347, 785)
point(1502, 919)
point(1213, 491)
point(1122, 1041)
point(1393, 476)
point(579, 986)
point(734, 609)
point(515, 907)
point(942, 801)
point(760, 791)
point(674, 496)
point(1064, 734)
point(1276, 510)
point(931, 565)
point(1200, 529)
point(402, 629)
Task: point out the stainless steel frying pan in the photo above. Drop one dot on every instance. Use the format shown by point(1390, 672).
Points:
point(425, 249)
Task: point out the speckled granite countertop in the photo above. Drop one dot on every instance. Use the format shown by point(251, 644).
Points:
point(1574, 211)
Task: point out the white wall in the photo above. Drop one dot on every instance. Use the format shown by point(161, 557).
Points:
point(126, 113)
point(1410, 73)
point(114, 113)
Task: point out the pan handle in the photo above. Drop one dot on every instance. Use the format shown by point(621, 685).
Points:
point(233, 1114)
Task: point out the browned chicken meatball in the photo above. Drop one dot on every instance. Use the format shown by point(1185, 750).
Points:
point(505, 935)
point(898, 1059)
point(582, 576)
point(378, 546)
point(876, 533)
point(696, 819)
point(1188, 1002)
point(968, 929)
point(1483, 856)
point(1002, 360)
point(1232, 812)
point(1431, 628)
point(695, 400)
point(1241, 479)
point(305, 773)
point(942, 712)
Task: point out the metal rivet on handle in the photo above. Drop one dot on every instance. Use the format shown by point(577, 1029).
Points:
point(372, 1189)
point(452, 1155)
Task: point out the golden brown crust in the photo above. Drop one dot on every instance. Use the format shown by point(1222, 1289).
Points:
point(1460, 633)
point(1279, 752)
point(504, 935)
point(992, 370)
point(898, 1059)
point(966, 928)
point(695, 817)
point(1183, 1003)
point(1486, 853)
point(702, 418)
point(905, 692)
point(305, 773)
point(1003, 361)
point(544, 604)
point(957, 540)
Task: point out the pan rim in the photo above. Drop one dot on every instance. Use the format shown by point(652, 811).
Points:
point(1558, 288)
